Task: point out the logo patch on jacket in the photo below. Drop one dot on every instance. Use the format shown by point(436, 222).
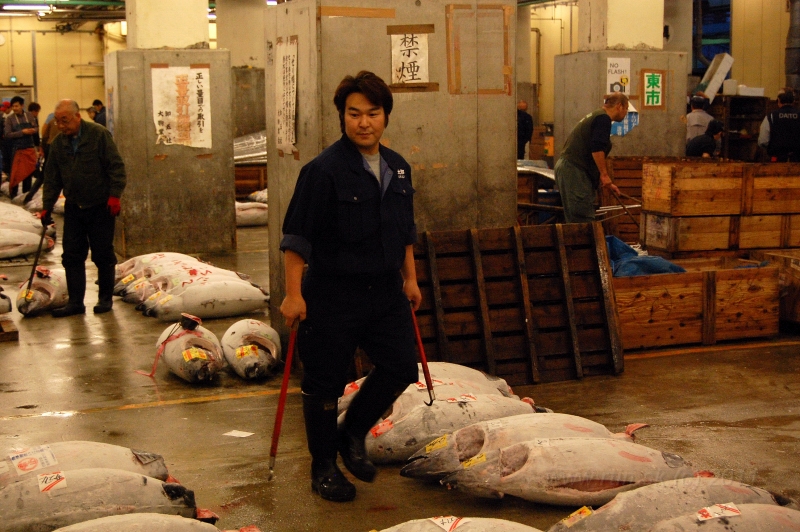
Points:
point(401, 174)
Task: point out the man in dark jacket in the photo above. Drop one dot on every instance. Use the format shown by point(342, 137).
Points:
point(100, 113)
point(351, 219)
point(524, 128)
point(706, 144)
point(85, 164)
point(780, 130)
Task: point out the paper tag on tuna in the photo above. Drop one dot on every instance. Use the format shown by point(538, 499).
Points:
point(438, 443)
point(29, 294)
point(165, 300)
point(246, 351)
point(33, 459)
point(463, 398)
point(52, 481)
point(381, 428)
point(434, 383)
point(193, 353)
point(717, 511)
point(155, 296)
point(128, 278)
point(576, 516)
point(475, 460)
point(448, 522)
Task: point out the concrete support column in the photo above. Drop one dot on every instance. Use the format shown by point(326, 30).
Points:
point(167, 24)
point(524, 65)
point(620, 24)
point(240, 29)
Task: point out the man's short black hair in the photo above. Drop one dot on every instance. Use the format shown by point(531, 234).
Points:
point(714, 127)
point(786, 96)
point(18, 99)
point(698, 102)
point(97, 102)
point(33, 107)
point(368, 84)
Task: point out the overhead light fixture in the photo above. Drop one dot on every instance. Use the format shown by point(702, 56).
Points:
point(123, 27)
point(272, 2)
point(26, 7)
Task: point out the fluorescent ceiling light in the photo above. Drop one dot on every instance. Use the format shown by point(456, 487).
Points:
point(272, 2)
point(27, 7)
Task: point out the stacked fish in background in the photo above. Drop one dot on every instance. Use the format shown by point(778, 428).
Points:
point(165, 285)
point(21, 231)
point(250, 348)
point(251, 213)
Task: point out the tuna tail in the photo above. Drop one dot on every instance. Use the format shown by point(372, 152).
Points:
point(417, 467)
point(175, 492)
point(629, 431)
point(780, 500)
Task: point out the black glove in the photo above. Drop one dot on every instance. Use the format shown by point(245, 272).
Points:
point(46, 219)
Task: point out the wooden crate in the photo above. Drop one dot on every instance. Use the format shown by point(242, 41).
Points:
point(708, 233)
point(692, 189)
point(772, 188)
point(8, 331)
point(250, 178)
point(528, 304)
point(710, 302)
point(788, 261)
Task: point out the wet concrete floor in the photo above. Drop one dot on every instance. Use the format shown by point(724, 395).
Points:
point(732, 409)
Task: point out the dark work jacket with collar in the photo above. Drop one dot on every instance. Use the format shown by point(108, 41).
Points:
point(342, 221)
point(88, 175)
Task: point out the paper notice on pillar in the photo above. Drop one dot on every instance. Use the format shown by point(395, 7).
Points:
point(182, 105)
point(410, 58)
point(618, 75)
point(286, 93)
point(621, 129)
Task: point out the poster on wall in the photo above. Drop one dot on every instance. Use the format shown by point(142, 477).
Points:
point(410, 58)
point(618, 75)
point(182, 105)
point(654, 87)
point(286, 93)
point(631, 120)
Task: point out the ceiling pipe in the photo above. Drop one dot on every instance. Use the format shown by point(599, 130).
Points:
point(793, 47)
point(697, 38)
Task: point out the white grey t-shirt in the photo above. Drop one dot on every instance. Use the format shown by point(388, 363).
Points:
point(374, 162)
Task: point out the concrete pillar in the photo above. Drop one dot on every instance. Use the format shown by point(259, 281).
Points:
point(167, 24)
point(524, 65)
point(620, 24)
point(240, 29)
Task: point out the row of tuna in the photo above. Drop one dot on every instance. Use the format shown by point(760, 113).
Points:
point(251, 213)
point(21, 231)
point(89, 486)
point(165, 285)
point(251, 348)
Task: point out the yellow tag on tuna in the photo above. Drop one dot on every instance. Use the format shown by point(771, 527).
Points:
point(438, 443)
point(165, 300)
point(576, 516)
point(128, 278)
point(29, 294)
point(246, 351)
point(475, 460)
point(193, 352)
point(155, 296)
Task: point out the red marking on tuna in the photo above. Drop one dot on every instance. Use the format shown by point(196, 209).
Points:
point(382, 428)
point(634, 457)
point(593, 486)
point(351, 388)
point(576, 428)
point(705, 474)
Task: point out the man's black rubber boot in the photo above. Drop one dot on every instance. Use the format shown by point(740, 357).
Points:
point(69, 310)
point(376, 395)
point(326, 478)
point(105, 288)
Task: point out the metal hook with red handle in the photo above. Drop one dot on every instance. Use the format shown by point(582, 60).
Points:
point(276, 430)
point(423, 359)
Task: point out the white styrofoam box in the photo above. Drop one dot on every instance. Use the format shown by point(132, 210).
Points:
point(730, 87)
point(744, 90)
point(720, 66)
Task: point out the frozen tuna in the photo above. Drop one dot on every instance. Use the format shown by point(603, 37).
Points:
point(193, 355)
point(5, 302)
point(53, 500)
point(252, 348)
point(640, 509)
point(410, 427)
point(48, 291)
point(444, 455)
point(566, 471)
point(141, 523)
point(208, 298)
point(462, 524)
point(16, 243)
point(735, 518)
point(251, 213)
point(442, 375)
point(72, 455)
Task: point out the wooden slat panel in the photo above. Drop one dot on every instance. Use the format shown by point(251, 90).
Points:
point(747, 303)
point(527, 314)
point(441, 325)
point(565, 276)
point(709, 307)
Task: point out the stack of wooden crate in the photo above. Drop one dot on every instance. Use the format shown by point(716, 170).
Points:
point(697, 209)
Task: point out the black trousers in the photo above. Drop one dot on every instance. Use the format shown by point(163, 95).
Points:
point(85, 229)
point(346, 312)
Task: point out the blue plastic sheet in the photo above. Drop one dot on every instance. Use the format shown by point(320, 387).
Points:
point(626, 262)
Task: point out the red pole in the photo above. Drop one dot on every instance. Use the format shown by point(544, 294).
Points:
point(423, 359)
point(276, 430)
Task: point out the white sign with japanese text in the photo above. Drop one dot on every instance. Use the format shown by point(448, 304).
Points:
point(410, 58)
point(285, 93)
point(182, 105)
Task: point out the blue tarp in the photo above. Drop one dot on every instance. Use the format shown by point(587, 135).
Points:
point(626, 262)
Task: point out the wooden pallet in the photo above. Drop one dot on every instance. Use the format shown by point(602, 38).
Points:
point(8, 331)
point(529, 304)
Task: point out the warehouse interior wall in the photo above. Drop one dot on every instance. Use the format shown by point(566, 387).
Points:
point(758, 43)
